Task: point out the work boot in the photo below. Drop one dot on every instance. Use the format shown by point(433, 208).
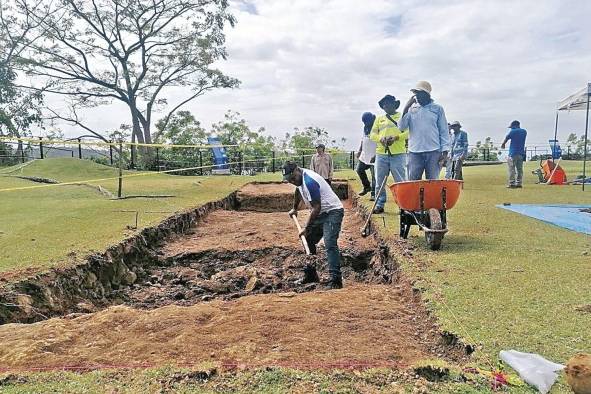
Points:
point(333, 284)
point(372, 198)
point(378, 210)
point(310, 275)
point(364, 192)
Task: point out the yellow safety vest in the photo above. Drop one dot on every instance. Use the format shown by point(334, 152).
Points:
point(384, 127)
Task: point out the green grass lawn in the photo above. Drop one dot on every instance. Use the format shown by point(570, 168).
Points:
point(45, 226)
point(504, 280)
point(501, 280)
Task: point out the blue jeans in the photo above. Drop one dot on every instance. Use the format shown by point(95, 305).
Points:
point(456, 165)
point(394, 164)
point(328, 225)
point(427, 162)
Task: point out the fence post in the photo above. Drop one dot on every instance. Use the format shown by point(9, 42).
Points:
point(303, 161)
point(133, 151)
point(200, 162)
point(111, 152)
point(120, 169)
point(273, 162)
point(352, 161)
point(239, 162)
point(568, 152)
point(41, 147)
point(79, 149)
point(20, 143)
point(157, 161)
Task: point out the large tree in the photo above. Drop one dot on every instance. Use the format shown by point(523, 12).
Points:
point(18, 109)
point(95, 52)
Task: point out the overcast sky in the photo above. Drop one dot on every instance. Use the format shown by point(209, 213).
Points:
point(325, 62)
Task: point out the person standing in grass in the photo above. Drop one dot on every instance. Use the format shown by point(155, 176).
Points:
point(458, 153)
point(391, 147)
point(428, 134)
point(321, 163)
point(367, 156)
point(517, 135)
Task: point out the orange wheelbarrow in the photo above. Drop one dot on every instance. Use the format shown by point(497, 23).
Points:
point(425, 203)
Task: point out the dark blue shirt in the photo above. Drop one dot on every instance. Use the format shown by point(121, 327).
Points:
point(517, 137)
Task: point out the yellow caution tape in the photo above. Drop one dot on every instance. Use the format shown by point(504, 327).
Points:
point(116, 143)
point(139, 174)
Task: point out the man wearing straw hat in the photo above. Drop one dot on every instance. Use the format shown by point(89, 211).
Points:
point(428, 135)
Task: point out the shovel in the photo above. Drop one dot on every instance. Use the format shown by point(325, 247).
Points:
point(365, 228)
point(302, 237)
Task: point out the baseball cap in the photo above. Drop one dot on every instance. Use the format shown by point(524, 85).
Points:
point(455, 123)
point(288, 169)
point(515, 123)
point(320, 145)
point(422, 85)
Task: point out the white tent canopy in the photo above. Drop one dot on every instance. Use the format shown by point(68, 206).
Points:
point(577, 101)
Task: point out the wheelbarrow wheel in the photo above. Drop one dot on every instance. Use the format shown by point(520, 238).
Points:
point(434, 239)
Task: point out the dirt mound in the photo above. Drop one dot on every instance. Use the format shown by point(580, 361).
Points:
point(362, 322)
point(278, 196)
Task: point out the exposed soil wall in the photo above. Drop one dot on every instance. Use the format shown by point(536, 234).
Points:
point(118, 274)
point(277, 196)
point(94, 282)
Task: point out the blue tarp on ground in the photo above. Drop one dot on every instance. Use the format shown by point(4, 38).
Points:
point(568, 216)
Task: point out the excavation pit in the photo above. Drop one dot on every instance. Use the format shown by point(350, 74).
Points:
point(232, 254)
point(229, 287)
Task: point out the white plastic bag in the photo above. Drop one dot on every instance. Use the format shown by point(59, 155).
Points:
point(532, 368)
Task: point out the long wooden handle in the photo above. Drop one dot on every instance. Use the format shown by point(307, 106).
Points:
point(302, 237)
point(375, 203)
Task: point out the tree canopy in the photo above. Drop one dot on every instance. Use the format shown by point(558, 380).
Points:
point(96, 52)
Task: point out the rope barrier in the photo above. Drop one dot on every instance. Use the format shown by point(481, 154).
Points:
point(138, 174)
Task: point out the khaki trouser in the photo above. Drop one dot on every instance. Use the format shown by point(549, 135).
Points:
point(515, 164)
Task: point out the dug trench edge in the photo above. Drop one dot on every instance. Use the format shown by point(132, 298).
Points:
point(96, 279)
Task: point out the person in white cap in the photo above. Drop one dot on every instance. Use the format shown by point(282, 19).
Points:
point(458, 153)
point(428, 139)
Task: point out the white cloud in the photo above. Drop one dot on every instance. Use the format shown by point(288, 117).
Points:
point(324, 62)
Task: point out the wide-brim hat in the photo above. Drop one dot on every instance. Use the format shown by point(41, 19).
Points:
point(387, 98)
point(455, 123)
point(422, 86)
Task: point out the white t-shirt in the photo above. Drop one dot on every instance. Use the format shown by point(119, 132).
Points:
point(368, 150)
point(315, 188)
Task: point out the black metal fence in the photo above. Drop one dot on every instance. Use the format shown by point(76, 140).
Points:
point(199, 161)
point(196, 161)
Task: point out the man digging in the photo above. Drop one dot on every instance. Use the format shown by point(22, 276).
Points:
point(326, 216)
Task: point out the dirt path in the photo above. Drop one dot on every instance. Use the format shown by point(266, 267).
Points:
point(374, 323)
